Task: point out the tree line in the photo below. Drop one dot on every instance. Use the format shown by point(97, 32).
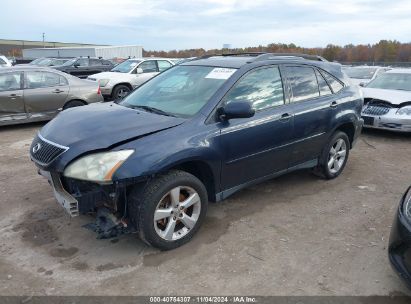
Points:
point(383, 51)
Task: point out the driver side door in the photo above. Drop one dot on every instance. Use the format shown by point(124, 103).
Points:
point(256, 147)
point(148, 70)
point(11, 97)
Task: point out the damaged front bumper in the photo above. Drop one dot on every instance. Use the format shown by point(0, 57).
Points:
point(107, 202)
point(389, 121)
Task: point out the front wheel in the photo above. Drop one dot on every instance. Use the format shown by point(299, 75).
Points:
point(120, 91)
point(169, 210)
point(334, 156)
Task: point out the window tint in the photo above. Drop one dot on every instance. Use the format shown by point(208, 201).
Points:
point(94, 62)
point(148, 66)
point(262, 87)
point(36, 80)
point(303, 83)
point(10, 81)
point(163, 65)
point(322, 85)
point(82, 61)
point(335, 85)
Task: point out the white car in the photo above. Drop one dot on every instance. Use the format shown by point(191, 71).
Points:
point(361, 75)
point(4, 62)
point(387, 101)
point(128, 75)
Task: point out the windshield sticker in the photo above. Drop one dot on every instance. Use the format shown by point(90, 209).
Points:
point(133, 64)
point(220, 73)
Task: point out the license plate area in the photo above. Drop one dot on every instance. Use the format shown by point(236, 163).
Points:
point(68, 202)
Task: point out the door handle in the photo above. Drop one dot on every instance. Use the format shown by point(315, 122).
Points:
point(334, 104)
point(58, 91)
point(14, 96)
point(285, 117)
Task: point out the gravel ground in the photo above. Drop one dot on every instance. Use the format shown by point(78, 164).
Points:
point(294, 235)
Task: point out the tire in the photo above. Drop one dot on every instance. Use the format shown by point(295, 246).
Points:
point(174, 225)
point(73, 103)
point(328, 169)
point(120, 91)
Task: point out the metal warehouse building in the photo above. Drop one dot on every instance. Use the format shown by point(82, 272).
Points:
point(106, 52)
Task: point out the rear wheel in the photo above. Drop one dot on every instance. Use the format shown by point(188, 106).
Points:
point(334, 156)
point(73, 103)
point(120, 91)
point(169, 210)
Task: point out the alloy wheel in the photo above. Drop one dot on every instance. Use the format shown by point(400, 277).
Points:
point(337, 156)
point(177, 213)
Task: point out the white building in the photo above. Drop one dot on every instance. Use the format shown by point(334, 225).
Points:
point(106, 52)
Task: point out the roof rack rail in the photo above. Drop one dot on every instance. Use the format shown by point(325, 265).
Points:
point(254, 54)
point(268, 56)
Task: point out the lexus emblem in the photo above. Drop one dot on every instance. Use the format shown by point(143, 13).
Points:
point(36, 148)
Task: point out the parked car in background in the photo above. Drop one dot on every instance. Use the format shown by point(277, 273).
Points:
point(126, 76)
point(361, 75)
point(4, 62)
point(50, 62)
point(30, 93)
point(399, 249)
point(84, 66)
point(387, 101)
point(199, 131)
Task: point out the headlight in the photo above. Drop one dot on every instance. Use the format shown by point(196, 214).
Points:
point(406, 110)
point(98, 167)
point(407, 205)
point(103, 82)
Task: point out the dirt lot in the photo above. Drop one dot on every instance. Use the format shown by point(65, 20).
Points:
point(295, 235)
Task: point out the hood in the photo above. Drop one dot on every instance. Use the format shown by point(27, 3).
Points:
point(100, 126)
point(112, 75)
point(395, 97)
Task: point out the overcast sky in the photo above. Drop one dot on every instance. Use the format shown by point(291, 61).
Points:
point(180, 24)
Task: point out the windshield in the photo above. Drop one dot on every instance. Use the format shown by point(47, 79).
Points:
point(392, 81)
point(360, 73)
point(37, 61)
point(126, 66)
point(180, 91)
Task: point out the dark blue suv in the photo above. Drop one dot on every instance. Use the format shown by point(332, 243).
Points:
point(195, 133)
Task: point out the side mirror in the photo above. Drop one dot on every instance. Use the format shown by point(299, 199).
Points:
point(140, 71)
point(236, 109)
point(362, 84)
point(76, 65)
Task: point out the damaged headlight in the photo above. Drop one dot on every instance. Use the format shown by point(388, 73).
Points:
point(407, 205)
point(98, 167)
point(404, 110)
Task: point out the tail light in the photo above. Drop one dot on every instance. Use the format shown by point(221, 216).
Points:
point(98, 91)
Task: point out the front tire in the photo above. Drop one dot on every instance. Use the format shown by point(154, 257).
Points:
point(169, 210)
point(334, 156)
point(120, 91)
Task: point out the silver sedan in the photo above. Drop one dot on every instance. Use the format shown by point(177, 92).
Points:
point(30, 94)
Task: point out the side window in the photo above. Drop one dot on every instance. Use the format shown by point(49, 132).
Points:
point(83, 62)
point(2, 61)
point(37, 79)
point(335, 84)
point(106, 62)
point(10, 81)
point(148, 66)
point(163, 65)
point(322, 85)
point(63, 81)
point(261, 87)
point(303, 83)
point(94, 62)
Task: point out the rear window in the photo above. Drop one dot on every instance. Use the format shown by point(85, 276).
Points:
point(303, 83)
point(335, 84)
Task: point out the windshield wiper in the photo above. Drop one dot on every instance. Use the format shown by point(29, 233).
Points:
point(152, 110)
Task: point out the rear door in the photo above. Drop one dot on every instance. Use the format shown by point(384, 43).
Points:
point(44, 93)
point(258, 146)
point(11, 97)
point(312, 104)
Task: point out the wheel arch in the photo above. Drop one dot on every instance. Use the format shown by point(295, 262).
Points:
point(72, 100)
point(349, 129)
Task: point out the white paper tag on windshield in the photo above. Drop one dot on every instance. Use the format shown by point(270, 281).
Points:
point(133, 64)
point(220, 73)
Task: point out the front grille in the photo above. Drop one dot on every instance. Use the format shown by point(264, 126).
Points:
point(44, 151)
point(376, 110)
